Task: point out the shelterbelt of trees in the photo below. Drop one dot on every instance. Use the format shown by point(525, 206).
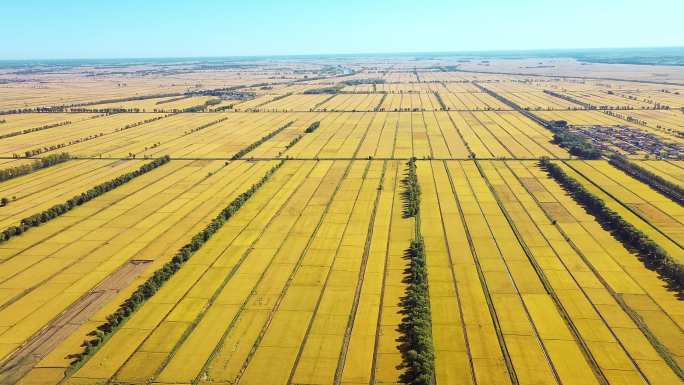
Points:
point(38, 164)
point(416, 325)
point(60, 209)
point(654, 256)
point(150, 287)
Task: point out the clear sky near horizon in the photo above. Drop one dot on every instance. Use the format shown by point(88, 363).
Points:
point(44, 29)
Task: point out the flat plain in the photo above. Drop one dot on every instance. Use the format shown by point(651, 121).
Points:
point(304, 283)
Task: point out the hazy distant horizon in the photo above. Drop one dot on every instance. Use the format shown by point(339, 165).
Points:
point(570, 53)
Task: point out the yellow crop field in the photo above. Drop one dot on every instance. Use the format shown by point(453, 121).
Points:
point(340, 221)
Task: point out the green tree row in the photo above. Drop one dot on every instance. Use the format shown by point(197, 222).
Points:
point(654, 256)
point(150, 287)
point(411, 193)
point(224, 108)
point(34, 129)
point(38, 164)
point(201, 107)
point(658, 183)
point(312, 127)
point(206, 125)
point(576, 144)
point(256, 144)
point(416, 324)
point(74, 107)
point(441, 101)
point(38, 151)
point(59, 209)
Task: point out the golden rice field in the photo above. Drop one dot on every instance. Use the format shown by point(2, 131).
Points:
point(304, 284)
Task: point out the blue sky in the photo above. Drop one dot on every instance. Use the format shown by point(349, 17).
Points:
point(33, 29)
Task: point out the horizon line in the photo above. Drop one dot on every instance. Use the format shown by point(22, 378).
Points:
point(314, 55)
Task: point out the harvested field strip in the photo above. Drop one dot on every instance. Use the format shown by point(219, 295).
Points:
point(639, 291)
point(22, 360)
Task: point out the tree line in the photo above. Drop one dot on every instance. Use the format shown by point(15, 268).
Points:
point(74, 107)
point(576, 144)
point(416, 324)
point(312, 127)
point(38, 151)
point(50, 160)
point(34, 129)
point(256, 144)
point(224, 108)
point(658, 183)
point(206, 125)
point(654, 256)
point(201, 107)
point(441, 101)
point(150, 287)
point(324, 90)
point(60, 209)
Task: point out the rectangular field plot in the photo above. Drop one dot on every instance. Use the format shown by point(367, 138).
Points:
point(433, 134)
point(47, 270)
point(519, 292)
point(297, 280)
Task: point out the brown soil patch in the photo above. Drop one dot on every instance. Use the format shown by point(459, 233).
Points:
point(43, 342)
